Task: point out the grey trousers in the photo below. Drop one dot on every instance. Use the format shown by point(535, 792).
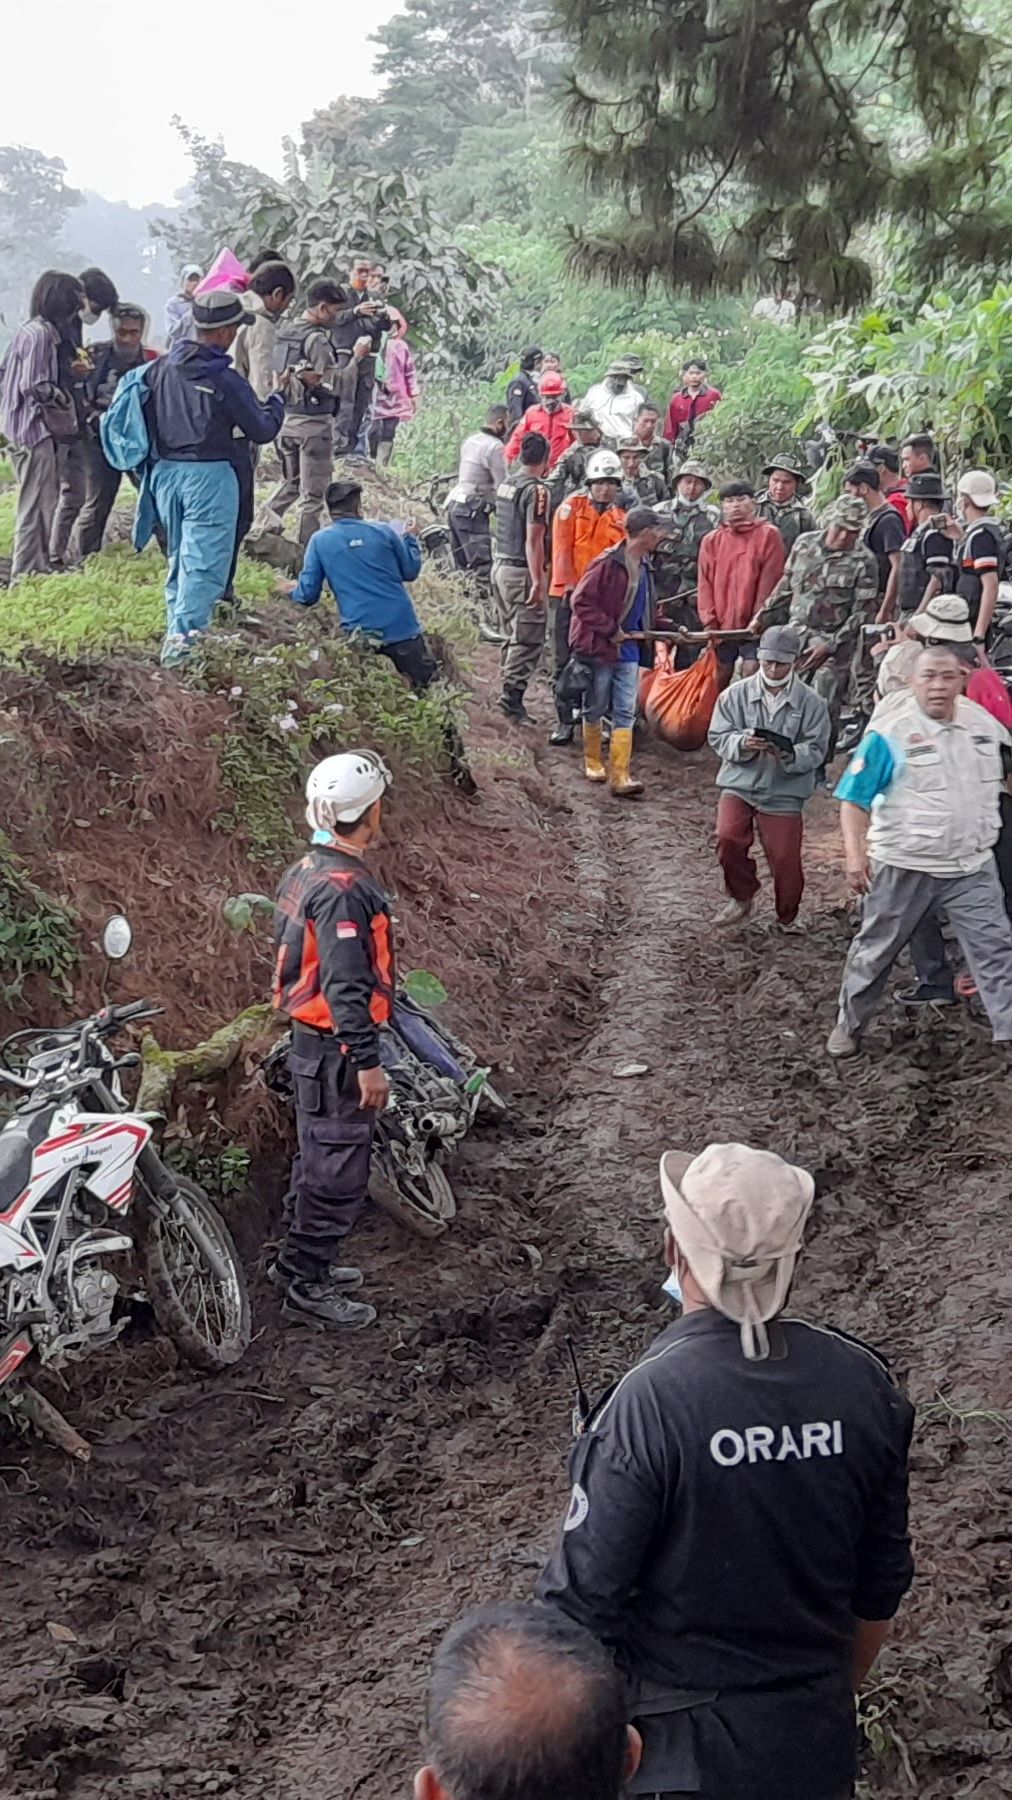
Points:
point(306, 456)
point(38, 492)
point(899, 901)
point(524, 624)
point(72, 463)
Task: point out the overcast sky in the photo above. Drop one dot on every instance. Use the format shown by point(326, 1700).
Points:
point(106, 97)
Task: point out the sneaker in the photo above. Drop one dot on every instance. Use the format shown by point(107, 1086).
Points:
point(926, 993)
point(321, 1305)
point(733, 912)
point(281, 1274)
point(789, 928)
point(840, 1043)
point(514, 709)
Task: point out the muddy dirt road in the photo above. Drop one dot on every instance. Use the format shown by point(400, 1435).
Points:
point(254, 1571)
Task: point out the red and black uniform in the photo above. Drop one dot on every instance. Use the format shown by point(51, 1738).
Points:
point(335, 977)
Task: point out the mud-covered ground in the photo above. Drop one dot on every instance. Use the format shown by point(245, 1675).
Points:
point(255, 1570)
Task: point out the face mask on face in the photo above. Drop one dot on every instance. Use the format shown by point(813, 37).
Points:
point(673, 1287)
point(89, 316)
point(774, 686)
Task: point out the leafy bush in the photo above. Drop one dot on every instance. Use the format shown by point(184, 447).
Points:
point(764, 398)
point(8, 507)
point(37, 932)
point(946, 368)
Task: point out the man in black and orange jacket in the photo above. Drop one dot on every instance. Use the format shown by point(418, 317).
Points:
point(335, 978)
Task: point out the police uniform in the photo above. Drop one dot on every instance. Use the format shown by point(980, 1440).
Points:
point(335, 978)
point(729, 1521)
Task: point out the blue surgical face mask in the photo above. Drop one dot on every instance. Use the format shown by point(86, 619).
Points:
point(673, 1288)
point(322, 837)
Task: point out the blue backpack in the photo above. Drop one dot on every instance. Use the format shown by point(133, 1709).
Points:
point(124, 428)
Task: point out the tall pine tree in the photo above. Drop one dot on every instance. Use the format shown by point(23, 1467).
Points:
point(754, 141)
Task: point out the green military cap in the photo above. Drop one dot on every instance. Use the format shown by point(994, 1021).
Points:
point(694, 467)
point(849, 513)
point(787, 465)
point(632, 443)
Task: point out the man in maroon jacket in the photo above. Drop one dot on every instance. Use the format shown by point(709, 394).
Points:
point(612, 600)
point(739, 566)
point(689, 403)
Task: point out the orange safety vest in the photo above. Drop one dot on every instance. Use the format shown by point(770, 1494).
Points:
point(579, 533)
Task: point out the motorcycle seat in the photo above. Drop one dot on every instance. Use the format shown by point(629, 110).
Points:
point(16, 1153)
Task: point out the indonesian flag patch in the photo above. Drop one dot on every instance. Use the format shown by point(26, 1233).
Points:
point(346, 929)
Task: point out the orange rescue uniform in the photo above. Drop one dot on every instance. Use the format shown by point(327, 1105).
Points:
point(581, 531)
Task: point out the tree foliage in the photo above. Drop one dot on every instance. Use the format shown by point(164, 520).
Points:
point(319, 214)
point(946, 368)
point(34, 204)
point(746, 141)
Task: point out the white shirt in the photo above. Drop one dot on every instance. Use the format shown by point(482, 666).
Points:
point(615, 413)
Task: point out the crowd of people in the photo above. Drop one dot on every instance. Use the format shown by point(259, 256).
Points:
point(242, 368)
point(736, 1542)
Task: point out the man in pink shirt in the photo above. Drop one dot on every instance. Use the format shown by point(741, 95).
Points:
point(739, 566)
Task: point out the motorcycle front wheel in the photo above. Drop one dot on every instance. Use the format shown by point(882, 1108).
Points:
point(410, 1186)
point(195, 1280)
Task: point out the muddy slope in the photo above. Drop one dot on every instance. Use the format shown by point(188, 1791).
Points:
point(255, 1570)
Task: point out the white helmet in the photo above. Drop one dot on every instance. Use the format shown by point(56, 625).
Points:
point(341, 788)
point(604, 466)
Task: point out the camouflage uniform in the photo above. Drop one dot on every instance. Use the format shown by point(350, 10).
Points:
point(660, 459)
point(647, 489)
point(792, 520)
point(570, 472)
point(827, 593)
point(675, 564)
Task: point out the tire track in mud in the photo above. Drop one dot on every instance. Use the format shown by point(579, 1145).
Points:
point(255, 1571)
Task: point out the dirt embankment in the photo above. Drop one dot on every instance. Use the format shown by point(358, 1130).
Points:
point(255, 1569)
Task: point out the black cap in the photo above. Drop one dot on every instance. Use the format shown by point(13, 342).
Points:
point(926, 486)
point(219, 308)
point(341, 491)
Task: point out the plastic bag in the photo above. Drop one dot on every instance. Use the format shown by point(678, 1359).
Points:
point(679, 703)
point(226, 271)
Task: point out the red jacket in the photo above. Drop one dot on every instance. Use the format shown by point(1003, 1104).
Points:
point(685, 408)
point(557, 427)
point(898, 498)
point(600, 601)
point(739, 566)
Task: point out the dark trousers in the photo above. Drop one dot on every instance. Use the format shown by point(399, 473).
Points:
point(560, 615)
point(780, 837)
point(471, 541)
point(352, 415)
point(101, 487)
point(330, 1174)
point(413, 659)
point(245, 468)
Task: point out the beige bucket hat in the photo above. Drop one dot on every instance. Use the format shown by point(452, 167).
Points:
point(738, 1217)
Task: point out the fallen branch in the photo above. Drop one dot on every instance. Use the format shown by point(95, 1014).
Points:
point(164, 1070)
point(51, 1424)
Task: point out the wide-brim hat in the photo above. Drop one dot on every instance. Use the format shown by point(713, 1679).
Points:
point(787, 465)
point(738, 1217)
point(928, 485)
point(219, 308)
point(946, 617)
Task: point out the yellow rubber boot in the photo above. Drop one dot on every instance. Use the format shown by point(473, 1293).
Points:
point(593, 767)
point(619, 779)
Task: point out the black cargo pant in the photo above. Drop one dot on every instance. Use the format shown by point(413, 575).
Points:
point(560, 616)
point(471, 538)
point(330, 1174)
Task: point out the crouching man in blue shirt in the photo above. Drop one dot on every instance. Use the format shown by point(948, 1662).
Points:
point(366, 564)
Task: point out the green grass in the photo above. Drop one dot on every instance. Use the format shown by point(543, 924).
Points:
point(6, 471)
point(116, 601)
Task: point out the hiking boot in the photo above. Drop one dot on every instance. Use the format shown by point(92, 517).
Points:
point(322, 1306)
point(926, 993)
point(564, 733)
point(512, 706)
point(840, 1043)
point(281, 1274)
point(733, 912)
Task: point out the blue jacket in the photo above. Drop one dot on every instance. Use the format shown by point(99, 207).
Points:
point(365, 565)
point(198, 404)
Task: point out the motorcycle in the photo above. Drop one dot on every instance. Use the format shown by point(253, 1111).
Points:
point(74, 1160)
point(438, 1089)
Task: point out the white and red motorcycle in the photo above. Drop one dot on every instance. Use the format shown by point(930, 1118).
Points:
point(75, 1165)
